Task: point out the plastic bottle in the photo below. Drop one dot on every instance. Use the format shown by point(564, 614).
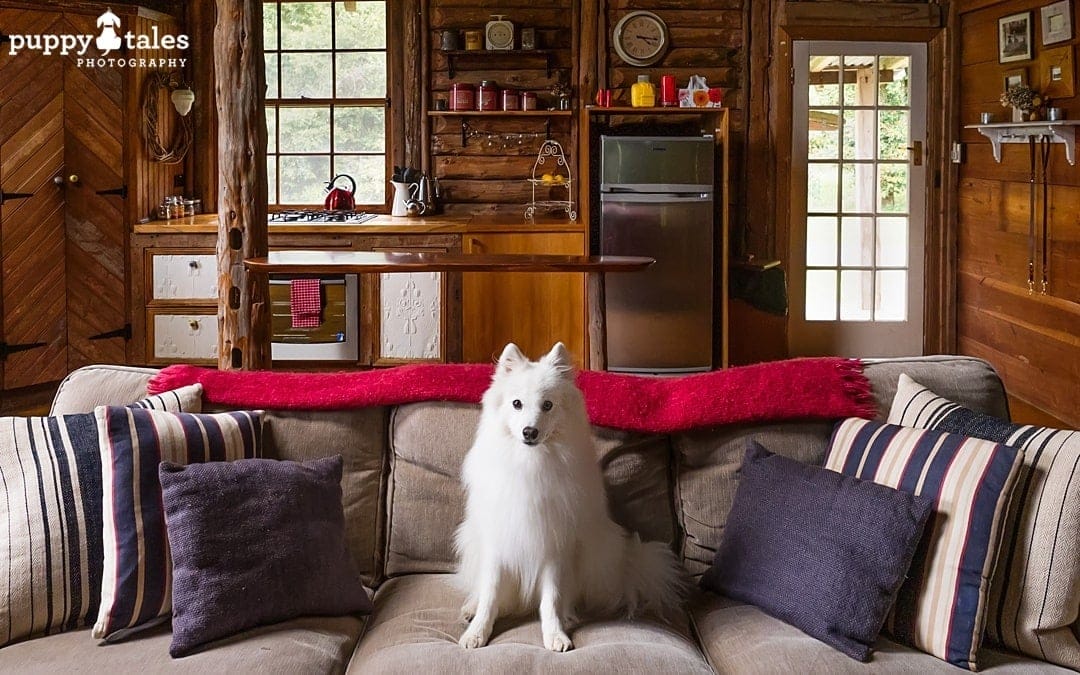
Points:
point(643, 93)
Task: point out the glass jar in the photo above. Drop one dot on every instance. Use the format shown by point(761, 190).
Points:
point(511, 99)
point(488, 96)
point(462, 96)
point(176, 207)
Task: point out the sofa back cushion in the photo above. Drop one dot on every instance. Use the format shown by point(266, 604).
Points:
point(425, 500)
point(359, 436)
point(707, 460)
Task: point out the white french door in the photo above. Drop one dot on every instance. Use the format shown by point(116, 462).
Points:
point(858, 198)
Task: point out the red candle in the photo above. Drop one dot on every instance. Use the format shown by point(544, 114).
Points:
point(668, 97)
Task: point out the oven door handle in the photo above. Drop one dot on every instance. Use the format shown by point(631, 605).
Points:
point(322, 282)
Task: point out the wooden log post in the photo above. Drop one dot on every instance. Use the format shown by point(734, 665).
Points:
point(243, 298)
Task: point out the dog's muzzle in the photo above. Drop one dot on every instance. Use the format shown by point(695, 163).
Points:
point(529, 435)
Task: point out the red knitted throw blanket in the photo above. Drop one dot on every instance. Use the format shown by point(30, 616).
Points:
point(796, 389)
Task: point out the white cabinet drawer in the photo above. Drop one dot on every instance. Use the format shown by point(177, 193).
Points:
point(185, 337)
point(185, 277)
point(411, 321)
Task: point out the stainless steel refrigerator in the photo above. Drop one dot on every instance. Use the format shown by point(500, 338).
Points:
point(656, 199)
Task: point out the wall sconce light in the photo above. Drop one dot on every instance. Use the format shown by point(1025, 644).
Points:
point(182, 100)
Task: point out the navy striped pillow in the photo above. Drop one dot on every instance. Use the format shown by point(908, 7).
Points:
point(50, 518)
point(942, 606)
point(1034, 596)
point(136, 586)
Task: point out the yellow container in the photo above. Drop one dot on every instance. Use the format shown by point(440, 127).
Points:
point(643, 93)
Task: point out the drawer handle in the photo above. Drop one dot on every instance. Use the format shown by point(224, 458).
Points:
point(193, 324)
point(193, 264)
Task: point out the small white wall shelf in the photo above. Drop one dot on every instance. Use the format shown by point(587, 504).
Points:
point(1058, 131)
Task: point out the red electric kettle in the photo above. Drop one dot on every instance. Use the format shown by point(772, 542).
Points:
point(339, 199)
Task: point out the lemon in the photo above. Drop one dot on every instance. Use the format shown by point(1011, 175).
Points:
point(559, 179)
point(547, 179)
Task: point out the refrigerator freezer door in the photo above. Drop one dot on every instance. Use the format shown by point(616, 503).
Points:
point(656, 163)
point(660, 319)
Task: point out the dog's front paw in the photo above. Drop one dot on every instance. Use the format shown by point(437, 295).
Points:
point(558, 642)
point(472, 639)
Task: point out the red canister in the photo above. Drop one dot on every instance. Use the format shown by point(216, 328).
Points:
point(488, 96)
point(668, 95)
point(528, 100)
point(462, 96)
point(511, 99)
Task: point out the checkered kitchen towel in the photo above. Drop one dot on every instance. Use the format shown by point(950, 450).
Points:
point(305, 301)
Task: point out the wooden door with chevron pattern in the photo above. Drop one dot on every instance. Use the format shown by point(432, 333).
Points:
point(62, 245)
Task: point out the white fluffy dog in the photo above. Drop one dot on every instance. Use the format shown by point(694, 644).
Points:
point(536, 531)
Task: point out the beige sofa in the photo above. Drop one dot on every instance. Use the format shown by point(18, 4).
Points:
point(402, 502)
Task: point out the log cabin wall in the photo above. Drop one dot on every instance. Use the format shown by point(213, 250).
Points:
point(1032, 339)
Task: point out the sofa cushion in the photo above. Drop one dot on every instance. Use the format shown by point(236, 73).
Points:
point(822, 551)
point(941, 608)
point(51, 509)
point(360, 437)
point(255, 542)
point(426, 502)
point(307, 645)
point(1034, 598)
point(740, 639)
point(417, 623)
point(90, 386)
point(967, 380)
point(136, 574)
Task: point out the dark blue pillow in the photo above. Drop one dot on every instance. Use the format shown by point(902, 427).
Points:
point(821, 551)
point(254, 542)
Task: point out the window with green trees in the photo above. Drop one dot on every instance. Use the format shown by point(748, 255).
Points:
point(326, 99)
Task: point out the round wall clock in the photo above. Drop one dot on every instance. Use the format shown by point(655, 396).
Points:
point(640, 38)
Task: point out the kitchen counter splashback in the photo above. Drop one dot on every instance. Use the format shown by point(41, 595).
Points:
point(381, 224)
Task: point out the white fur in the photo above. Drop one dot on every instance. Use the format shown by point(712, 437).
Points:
point(536, 532)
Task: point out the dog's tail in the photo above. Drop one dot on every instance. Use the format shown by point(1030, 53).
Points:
point(654, 581)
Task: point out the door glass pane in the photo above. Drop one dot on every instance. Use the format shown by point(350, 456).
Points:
point(891, 296)
point(894, 85)
point(824, 85)
point(893, 134)
point(858, 188)
point(856, 295)
point(892, 242)
point(305, 129)
point(821, 295)
point(305, 25)
point(857, 242)
point(306, 75)
point(821, 242)
point(823, 139)
point(893, 188)
point(303, 179)
point(859, 134)
point(821, 188)
point(859, 80)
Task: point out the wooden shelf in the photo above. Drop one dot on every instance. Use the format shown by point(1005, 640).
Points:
point(654, 110)
point(500, 113)
point(1057, 131)
point(454, 54)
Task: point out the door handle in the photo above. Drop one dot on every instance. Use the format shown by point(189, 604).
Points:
point(5, 196)
point(916, 153)
point(58, 181)
point(73, 179)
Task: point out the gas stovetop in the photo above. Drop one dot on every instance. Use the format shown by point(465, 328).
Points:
point(320, 216)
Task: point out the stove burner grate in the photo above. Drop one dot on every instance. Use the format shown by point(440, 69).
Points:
point(320, 216)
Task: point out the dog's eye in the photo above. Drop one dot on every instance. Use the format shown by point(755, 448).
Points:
point(516, 404)
point(546, 406)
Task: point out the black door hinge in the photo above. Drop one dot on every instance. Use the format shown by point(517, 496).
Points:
point(120, 191)
point(124, 332)
point(7, 350)
point(4, 38)
point(5, 196)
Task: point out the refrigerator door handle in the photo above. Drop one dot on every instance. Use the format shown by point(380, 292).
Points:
point(655, 197)
point(652, 188)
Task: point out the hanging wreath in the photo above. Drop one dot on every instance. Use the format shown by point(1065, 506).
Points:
point(178, 147)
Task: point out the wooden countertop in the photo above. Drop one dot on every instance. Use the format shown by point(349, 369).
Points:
point(381, 224)
point(339, 262)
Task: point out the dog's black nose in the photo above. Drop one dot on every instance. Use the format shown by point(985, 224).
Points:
point(530, 433)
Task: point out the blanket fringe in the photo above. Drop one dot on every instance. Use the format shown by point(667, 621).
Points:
point(858, 387)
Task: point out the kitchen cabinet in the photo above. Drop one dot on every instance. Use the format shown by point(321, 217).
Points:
point(532, 310)
point(181, 310)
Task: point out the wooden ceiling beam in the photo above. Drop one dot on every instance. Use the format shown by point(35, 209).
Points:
point(243, 298)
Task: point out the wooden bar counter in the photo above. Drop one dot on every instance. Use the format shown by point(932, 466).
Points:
point(370, 262)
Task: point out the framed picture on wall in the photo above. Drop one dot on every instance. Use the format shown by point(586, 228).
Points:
point(1056, 22)
point(1056, 72)
point(1014, 78)
point(1014, 37)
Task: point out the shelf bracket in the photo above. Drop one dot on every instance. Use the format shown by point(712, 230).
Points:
point(464, 133)
point(547, 129)
point(547, 63)
point(450, 65)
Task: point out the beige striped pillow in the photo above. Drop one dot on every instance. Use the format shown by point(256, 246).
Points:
point(1035, 593)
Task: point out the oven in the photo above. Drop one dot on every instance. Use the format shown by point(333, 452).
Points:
point(336, 338)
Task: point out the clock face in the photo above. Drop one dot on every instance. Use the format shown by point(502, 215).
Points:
point(640, 38)
point(500, 35)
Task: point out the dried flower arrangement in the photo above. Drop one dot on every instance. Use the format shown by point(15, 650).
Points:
point(1023, 98)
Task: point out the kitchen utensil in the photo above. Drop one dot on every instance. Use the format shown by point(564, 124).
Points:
point(414, 208)
point(426, 193)
point(338, 199)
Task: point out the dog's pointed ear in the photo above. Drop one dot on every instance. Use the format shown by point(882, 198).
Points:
point(510, 358)
point(560, 359)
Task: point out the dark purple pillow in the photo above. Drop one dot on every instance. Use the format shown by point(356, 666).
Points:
point(254, 542)
point(821, 551)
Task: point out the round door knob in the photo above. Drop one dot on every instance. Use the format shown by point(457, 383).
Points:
point(58, 180)
point(73, 178)
point(193, 324)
